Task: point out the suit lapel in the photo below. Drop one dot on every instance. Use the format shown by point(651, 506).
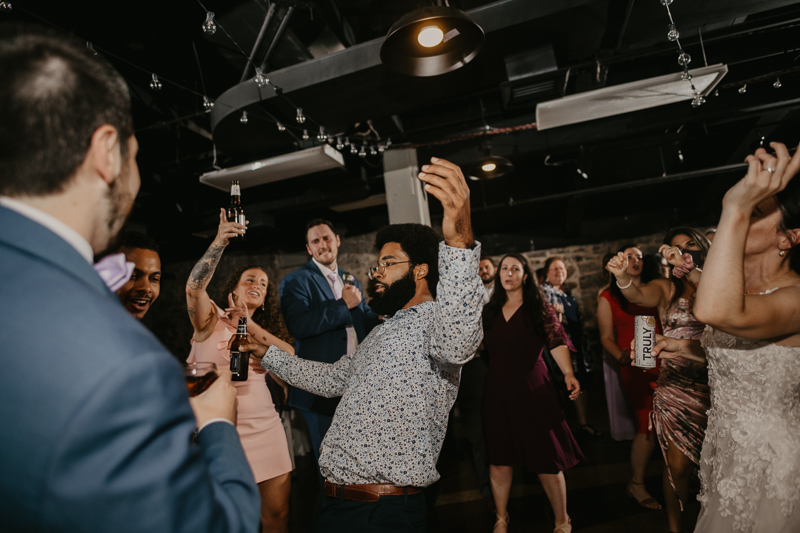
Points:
point(322, 283)
point(17, 231)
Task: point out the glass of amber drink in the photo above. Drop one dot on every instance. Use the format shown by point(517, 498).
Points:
point(199, 377)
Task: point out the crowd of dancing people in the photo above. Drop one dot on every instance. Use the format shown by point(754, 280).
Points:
point(102, 435)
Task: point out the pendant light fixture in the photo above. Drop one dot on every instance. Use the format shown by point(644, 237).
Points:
point(430, 41)
point(489, 167)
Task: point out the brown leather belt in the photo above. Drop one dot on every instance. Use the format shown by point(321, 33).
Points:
point(369, 492)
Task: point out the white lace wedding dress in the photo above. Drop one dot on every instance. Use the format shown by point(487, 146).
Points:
point(750, 463)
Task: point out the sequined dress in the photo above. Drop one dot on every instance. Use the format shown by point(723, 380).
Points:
point(750, 463)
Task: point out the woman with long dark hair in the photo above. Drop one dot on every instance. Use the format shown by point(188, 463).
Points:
point(518, 324)
point(615, 317)
point(258, 423)
point(750, 298)
point(682, 396)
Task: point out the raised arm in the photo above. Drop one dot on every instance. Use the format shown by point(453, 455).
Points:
point(201, 311)
point(721, 301)
point(652, 294)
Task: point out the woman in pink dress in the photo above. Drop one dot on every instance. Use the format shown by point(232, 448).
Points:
point(258, 423)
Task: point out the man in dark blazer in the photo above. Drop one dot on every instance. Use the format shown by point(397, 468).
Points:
point(97, 424)
point(326, 315)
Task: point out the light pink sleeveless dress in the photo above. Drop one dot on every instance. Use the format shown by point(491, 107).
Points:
point(259, 426)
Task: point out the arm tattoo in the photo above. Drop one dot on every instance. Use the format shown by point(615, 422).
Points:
point(191, 312)
point(204, 269)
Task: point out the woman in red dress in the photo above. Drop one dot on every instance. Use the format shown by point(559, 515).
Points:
point(615, 319)
point(523, 421)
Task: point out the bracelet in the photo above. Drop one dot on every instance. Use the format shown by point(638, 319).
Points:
point(626, 286)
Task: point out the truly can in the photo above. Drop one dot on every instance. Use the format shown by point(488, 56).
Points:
point(644, 340)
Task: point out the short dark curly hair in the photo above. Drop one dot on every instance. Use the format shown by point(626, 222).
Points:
point(419, 242)
point(134, 239)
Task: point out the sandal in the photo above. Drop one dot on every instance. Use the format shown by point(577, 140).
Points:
point(645, 502)
point(501, 520)
point(566, 527)
point(587, 428)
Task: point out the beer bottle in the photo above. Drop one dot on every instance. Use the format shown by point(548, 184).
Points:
point(240, 362)
point(235, 212)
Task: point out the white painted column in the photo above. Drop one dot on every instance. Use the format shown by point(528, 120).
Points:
point(406, 199)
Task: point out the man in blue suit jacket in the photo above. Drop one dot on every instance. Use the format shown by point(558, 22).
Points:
point(97, 424)
point(326, 315)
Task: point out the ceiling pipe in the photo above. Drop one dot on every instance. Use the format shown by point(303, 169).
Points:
point(259, 40)
point(275, 40)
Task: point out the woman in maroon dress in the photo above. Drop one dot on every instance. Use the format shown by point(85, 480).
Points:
point(518, 323)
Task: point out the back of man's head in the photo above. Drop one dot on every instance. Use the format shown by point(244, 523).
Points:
point(53, 97)
point(134, 239)
point(419, 242)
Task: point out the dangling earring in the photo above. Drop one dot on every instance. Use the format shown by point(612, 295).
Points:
point(782, 253)
point(262, 305)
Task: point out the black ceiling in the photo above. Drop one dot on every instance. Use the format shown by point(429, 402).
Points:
point(646, 170)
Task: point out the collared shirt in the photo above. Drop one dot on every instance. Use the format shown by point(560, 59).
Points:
point(399, 385)
point(50, 222)
point(489, 290)
point(352, 338)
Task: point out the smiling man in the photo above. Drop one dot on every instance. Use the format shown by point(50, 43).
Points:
point(141, 291)
point(397, 388)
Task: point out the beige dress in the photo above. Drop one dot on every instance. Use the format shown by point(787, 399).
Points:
point(260, 429)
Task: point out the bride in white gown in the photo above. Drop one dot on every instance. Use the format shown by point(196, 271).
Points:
point(750, 298)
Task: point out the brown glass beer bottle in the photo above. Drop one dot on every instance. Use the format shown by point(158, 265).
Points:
point(235, 211)
point(240, 362)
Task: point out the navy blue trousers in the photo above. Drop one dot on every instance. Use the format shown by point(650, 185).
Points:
point(394, 514)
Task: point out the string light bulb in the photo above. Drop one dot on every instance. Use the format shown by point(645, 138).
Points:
point(281, 127)
point(339, 143)
point(208, 103)
point(666, 3)
point(684, 59)
point(260, 79)
point(583, 174)
point(362, 152)
point(5, 6)
point(322, 136)
point(353, 148)
point(743, 89)
point(209, 25)
point(698, 100)
point(155, 84)
point(672, 33)
point(90, 49)
point(381, 148)
point(777, 84)
point(300, 116)
point(305, 135)
point(680, 155)
point(373, 150)
point(243, 120)
point(347, 141)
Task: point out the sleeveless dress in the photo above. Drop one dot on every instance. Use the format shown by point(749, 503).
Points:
point(750, 463)
point(639, 384)
point(522, 419)
point(682, 395)
point(258, 423)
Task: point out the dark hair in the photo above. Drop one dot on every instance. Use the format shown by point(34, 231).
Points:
point(319, 222)
point(134, 239)
point(54, 97)
point(419, 242)
point(533, 303)
point(269, 317)
point(651, 266)
point(788, 201)
point(613, 288)
point(487, 258)
point(700, 240)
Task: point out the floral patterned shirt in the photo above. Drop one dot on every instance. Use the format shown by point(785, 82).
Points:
point(398, 387)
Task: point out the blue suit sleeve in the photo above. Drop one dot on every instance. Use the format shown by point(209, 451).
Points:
point(126, 463)
point(363, 313)
point(306, 317)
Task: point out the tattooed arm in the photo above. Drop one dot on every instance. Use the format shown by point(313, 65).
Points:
point(202, 313)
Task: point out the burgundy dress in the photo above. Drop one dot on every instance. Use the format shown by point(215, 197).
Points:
point(522, 419)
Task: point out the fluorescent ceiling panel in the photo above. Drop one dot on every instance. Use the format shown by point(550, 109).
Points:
point(627, 97)
point(282, 167)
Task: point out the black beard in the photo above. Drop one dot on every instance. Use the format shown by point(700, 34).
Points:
point(394, 296)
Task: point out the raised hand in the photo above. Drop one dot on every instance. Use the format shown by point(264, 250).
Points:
point(236, 311)
point(351, 296)
point(445, 181)
point(672, 254)
point(618, 265)
point(227, 230)
point(219, 401)
point(766, 176)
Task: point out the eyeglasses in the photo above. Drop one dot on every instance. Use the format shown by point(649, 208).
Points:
point(381, 268)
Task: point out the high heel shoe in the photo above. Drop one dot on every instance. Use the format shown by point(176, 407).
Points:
point(566, 527)
point(501, 520)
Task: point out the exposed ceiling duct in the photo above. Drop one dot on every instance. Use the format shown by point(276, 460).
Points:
point(282, 167)
point(627, 97)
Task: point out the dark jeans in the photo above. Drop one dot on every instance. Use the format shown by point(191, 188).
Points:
point(404, 514)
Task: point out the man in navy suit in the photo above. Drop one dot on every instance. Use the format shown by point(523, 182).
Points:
point(326, 315)
point(97, 424)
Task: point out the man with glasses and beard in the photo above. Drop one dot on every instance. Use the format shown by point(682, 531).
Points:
point(397, 388)
point(97, 423)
